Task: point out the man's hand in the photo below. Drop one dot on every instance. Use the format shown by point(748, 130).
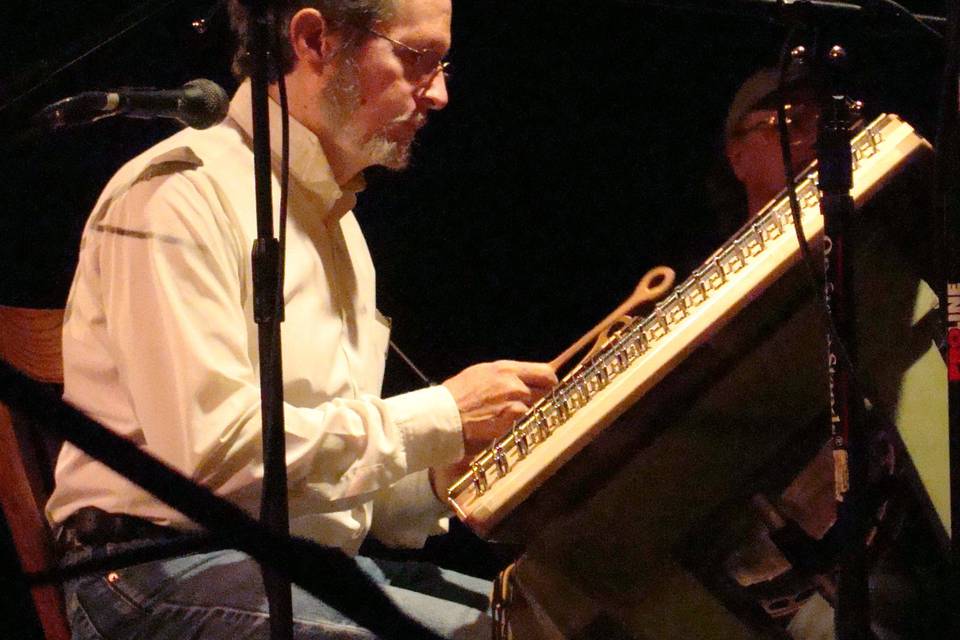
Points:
point(492, 395)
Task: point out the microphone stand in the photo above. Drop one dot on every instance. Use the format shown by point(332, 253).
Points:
point(268, 314)
point(847, 412)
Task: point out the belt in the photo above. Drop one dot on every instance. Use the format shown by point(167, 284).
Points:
point(91, 526)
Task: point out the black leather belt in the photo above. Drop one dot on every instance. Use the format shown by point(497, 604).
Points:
point(91, 526)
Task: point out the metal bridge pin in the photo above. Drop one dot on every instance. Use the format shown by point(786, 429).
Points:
point(479, 477)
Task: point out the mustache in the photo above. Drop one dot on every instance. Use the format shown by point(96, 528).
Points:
point(416, 119)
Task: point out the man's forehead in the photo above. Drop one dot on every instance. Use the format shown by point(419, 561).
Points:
point(428, 21)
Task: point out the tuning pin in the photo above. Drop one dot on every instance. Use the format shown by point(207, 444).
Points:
point(837, 53)
point(799, 54)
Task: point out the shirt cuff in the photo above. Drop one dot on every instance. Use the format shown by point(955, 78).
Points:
point(408, 512)
point(429, 421)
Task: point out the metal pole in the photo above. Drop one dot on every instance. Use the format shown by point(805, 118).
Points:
point(268, 315)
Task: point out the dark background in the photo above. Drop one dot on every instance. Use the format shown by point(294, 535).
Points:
point(575, 154)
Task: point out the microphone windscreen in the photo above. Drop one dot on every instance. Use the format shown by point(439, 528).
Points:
point(205, 105)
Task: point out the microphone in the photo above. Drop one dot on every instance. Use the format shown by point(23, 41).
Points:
point(199, 104)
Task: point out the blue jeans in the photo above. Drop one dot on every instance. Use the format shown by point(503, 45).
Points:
point(219, 596)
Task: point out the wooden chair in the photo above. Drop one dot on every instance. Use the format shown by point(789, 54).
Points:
point(30, 341)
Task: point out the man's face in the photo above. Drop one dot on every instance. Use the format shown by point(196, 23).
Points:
point(754, 149)
point(381, 94)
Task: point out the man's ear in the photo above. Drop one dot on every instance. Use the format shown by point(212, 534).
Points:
point(310, 38)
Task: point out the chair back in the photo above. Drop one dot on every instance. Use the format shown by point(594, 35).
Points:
point(30, 341)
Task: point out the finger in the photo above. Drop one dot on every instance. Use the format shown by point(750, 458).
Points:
point(513, 410)
point(535, 374)
point(515, 389)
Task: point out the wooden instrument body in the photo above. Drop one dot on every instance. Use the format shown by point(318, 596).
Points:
point(624, 503)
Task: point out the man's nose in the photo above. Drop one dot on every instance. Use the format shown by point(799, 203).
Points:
point(435, 91)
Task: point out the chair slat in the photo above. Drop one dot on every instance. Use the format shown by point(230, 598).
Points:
point(30, 341)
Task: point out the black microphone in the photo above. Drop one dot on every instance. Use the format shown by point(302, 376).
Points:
point(199, 104)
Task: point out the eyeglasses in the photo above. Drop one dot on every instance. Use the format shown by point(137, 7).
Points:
point(422, 64)
point(799, 116)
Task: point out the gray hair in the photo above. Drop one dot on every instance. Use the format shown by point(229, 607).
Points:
point(338, 13)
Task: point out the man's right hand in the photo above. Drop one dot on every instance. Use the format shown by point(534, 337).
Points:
point(492, 395)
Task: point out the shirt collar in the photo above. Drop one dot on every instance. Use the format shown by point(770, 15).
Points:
point(308, 163)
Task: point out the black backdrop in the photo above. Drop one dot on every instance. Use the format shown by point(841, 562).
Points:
point(574, 155)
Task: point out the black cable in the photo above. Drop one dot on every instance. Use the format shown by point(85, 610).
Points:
point(416, 370)
point(284, 179)
point(816, 281)
point(785, 152)
point(898, 11)
point(764, 10)
point(123, 29)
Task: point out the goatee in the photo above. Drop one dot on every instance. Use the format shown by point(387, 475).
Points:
point(342, 95)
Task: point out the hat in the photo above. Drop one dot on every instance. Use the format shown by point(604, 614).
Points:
point(758, 87)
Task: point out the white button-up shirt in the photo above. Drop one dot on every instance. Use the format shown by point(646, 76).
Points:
point(160, 345)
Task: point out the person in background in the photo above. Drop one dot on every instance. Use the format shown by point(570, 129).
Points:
point(751, 134)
